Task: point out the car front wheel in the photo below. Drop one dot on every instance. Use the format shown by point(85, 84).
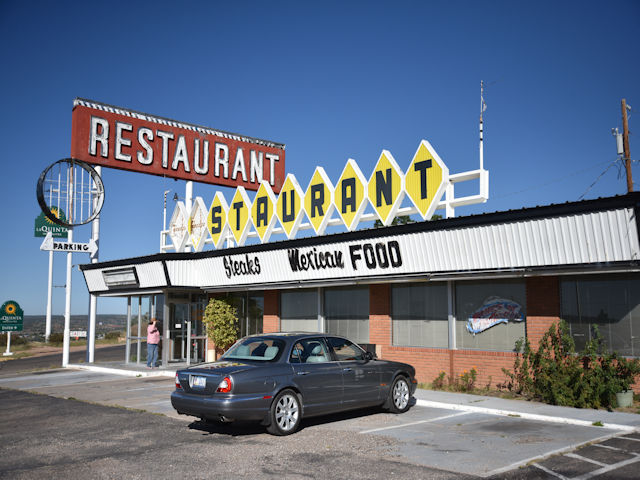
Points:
point(286, 413)
point(399, 396)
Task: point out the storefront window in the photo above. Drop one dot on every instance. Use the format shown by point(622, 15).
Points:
point(490, 315)
point(419, 313)
point(612, 302)
point(250, 310)
point(299, 310)
point(346, 312)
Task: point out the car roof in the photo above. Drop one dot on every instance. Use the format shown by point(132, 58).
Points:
point(292, 336)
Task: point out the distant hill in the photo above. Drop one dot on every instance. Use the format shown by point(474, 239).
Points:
point(34, 325)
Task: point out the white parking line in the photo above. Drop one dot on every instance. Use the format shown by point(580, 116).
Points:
point(527, 416)
point(415, 423)
point(559, 451)
point(608, 468)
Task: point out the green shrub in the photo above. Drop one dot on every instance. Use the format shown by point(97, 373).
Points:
point(556, 374)
point(15, 339)
point(438, 382)
point(464, 382)
point(115, 335)
point(56, 338)
point(221, 320)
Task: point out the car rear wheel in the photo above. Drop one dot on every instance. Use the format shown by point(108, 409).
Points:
point(399, 396)
point(286, 413)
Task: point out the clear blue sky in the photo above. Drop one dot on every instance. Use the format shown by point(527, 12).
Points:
point(331, 80)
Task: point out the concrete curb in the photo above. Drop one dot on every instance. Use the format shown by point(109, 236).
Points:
point(528, 416)
point(123, 372)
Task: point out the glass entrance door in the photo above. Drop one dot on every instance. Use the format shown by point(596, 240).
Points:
point(178, 332)
point(187, 336)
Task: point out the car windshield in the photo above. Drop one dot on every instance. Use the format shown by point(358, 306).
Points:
point(255, 348)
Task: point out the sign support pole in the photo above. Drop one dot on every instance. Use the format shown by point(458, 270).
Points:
point(47, 328)
point(8, 352)
point(67, 300)
point(93, 300)
point(188, 202)
point(67, 305)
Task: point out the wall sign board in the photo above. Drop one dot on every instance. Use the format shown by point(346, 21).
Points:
point(120, 138)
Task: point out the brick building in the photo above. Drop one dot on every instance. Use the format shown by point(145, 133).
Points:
point(445, 295)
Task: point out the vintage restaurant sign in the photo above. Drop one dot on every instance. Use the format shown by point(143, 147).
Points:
point(120, 138)
point(423, 182)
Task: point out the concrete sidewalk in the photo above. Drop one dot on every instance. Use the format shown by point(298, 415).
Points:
point(527, 410)
point(446, 400)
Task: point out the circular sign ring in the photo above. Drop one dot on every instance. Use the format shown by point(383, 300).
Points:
point(93, 189)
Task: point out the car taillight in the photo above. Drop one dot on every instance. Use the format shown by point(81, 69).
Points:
point(178, 382)
point(225, 385)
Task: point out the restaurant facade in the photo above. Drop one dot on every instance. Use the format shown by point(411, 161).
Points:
point(444, 295)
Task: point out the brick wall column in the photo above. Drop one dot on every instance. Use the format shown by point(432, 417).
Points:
point(271, 316)
point(380, 316)
point(543, 306)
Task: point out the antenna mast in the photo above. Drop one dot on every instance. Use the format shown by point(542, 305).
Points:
point(483, 107)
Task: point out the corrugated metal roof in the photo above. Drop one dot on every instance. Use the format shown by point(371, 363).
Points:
point(589, 234)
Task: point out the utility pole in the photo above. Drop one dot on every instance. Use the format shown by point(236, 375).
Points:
point(625, 143)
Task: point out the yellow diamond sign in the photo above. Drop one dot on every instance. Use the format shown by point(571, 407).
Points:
point(426, 179)
point(350, 194)
point(386, 188)
point(217, 220)
point(289, 206)
point(263, 211)
point(239, 219)
point(318, 200)
point(197, 227)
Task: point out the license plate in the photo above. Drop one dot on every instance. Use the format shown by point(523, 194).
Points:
point(198, 382)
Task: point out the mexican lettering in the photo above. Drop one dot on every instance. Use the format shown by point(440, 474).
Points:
point(314, 260)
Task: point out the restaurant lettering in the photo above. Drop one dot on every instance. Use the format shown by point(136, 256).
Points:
point(247, 266)
point(314, 260)
point(379, 255)
point(120, 138)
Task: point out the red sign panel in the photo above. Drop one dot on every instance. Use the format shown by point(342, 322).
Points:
point(118, 138)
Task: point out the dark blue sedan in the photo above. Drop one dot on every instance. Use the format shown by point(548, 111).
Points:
point(277, 379)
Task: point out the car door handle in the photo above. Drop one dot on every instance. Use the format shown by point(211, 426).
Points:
point(347, 369)
point(302, 373)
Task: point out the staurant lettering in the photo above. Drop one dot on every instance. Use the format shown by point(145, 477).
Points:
point(314, 260)
point(379, 255)
point(118, 138)
point(247, 266)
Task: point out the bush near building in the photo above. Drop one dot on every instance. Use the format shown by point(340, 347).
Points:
point(221, 320)
point(555, 373)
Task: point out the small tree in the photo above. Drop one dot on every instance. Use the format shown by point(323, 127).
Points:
point(221, 320)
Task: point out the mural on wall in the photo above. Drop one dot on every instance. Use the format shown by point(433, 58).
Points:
point(494, 310)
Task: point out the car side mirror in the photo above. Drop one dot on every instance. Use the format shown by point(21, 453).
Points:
point(370, 356)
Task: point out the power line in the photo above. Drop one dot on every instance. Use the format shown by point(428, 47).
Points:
point(559, 179)
point(599, 177)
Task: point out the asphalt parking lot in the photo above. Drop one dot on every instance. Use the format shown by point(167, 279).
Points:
point(442, 434)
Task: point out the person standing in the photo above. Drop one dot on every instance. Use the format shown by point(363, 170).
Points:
point(153, 339)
